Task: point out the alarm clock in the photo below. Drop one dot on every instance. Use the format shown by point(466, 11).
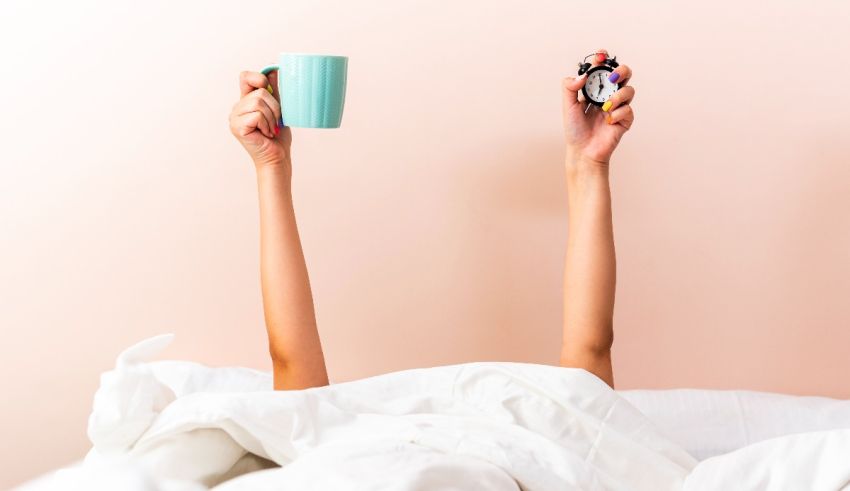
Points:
point(597, 88)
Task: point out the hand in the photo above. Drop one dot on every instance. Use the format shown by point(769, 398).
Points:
point(593, 136)
point(255, 121)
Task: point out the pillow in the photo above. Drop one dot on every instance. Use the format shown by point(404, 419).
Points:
point(713, 422)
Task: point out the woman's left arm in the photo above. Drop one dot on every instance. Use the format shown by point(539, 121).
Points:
point(590, 270)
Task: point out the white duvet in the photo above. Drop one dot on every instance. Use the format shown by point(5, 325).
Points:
point(495, 426)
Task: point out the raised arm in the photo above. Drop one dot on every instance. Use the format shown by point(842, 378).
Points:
point(590, 265)
point(294, 345)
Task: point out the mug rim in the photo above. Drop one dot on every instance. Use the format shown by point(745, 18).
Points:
point(282, 53)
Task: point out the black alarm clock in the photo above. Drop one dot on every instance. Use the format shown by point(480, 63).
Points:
point(597, 88)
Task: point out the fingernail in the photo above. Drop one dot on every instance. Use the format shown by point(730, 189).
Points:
point(606, 106)
point(270, 89)
point(613, 77)
point(608, 119)
point(276, 129)
point(280, 122)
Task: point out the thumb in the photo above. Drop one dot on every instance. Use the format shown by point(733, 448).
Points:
point(570, 87)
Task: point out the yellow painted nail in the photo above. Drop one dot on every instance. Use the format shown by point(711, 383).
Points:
point(606, 106)
point(269, 88)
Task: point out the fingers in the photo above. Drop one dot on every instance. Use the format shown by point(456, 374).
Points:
point(260, 101)
point(570, 86)
point(271, 102)
point(250, 81)
point(624, 95)
point(245, 124)
point(599, 57)
point(621, 75)
point(623, 115)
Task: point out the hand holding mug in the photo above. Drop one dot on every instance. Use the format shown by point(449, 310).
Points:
point(302, 90)
point(256, 120)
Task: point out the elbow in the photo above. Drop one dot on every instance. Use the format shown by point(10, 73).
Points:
point(596, 346)
point(279, 358)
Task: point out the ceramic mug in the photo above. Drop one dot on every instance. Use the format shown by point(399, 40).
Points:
point(311, 88)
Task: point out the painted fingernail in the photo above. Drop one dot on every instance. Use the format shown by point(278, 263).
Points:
point(276, 129)
point(280, 122)
point(606, 106)
point(608, 119)
point(270, 89)
point(613, 77)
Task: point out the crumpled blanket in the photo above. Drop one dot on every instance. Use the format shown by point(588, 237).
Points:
point(498, 426)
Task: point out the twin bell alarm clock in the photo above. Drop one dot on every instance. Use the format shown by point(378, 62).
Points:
point(597, 88)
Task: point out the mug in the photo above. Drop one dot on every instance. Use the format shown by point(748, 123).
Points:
point(311, 88)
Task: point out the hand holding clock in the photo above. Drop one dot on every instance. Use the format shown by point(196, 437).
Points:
point(592, 135)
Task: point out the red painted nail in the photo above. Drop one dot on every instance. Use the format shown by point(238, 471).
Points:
point(276, 129)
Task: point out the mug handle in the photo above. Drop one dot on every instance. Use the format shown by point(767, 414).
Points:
point(267, 70)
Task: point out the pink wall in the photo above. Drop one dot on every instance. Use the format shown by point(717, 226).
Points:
point(434, 220)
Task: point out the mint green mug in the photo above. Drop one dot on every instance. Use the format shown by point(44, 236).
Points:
point(311, 88)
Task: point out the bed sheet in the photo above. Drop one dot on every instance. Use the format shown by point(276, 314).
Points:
point(181, 426)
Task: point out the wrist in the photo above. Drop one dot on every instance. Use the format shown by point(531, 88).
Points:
point(581, 168)
point(279, 169)
point(281, 174)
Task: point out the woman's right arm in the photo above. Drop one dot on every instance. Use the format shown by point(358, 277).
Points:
point(294, 344)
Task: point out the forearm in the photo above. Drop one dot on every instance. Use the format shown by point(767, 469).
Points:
point(590, 271)
point(287, 299)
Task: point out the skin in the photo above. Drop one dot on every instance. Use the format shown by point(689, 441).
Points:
point(590, 269)
point(294, 346)
point(590, 266)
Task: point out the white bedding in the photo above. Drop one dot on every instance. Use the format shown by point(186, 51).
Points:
point(708, 423)
point(499, 426)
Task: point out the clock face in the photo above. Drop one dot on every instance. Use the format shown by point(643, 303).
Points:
point(597, 89)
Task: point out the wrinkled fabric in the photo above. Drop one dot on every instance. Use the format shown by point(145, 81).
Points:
point(176, 426)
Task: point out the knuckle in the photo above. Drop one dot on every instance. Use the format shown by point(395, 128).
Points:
point(254, 100)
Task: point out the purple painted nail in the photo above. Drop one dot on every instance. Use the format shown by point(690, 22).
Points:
point(613, 77)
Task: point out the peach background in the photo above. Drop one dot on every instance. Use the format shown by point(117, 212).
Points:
point(434, 220)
